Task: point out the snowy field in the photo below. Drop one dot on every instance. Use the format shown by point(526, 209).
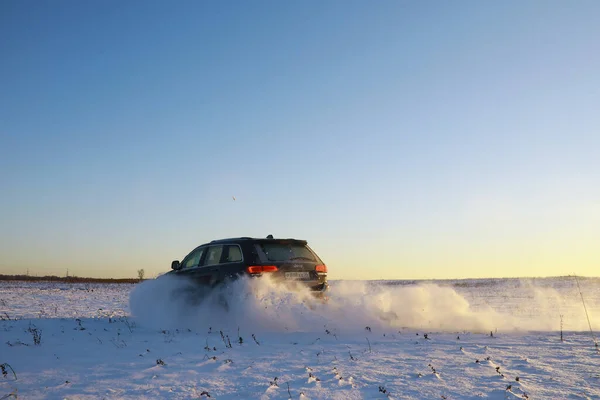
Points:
point(473, 339)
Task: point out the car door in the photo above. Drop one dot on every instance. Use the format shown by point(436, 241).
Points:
point(208, 272)
point(232, 262)
point(191, 264)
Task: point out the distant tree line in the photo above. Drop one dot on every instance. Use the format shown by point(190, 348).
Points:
point(66, 279)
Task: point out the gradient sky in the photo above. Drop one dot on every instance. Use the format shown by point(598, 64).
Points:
point(402, 139)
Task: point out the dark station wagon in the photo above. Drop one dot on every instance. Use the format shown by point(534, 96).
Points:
point(287, 261)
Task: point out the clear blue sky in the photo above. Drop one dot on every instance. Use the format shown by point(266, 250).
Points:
point(402, 139)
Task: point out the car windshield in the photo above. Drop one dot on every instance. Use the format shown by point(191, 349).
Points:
point(286, 252)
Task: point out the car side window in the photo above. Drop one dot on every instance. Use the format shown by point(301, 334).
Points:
point(234, 253)
point(213, 255)
point(193, 259)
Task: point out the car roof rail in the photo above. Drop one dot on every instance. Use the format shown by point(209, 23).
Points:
point(231, 239)
point(269, 237)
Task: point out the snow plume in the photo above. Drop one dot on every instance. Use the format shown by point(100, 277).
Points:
point(170, 302)
point(538, 306)
point(422, 307)
point(260, 304)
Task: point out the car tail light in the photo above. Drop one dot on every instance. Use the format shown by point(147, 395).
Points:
point(259, 269)
point(321, 268)
point(253, 270)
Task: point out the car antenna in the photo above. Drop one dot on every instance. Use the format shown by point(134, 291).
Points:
point(270, 237)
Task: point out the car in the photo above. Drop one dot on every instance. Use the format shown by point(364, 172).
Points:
point(290, 262)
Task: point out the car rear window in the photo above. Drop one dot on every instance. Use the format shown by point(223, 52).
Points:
point(286, 252)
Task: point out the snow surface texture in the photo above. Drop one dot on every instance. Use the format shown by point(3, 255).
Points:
point(162, 338)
